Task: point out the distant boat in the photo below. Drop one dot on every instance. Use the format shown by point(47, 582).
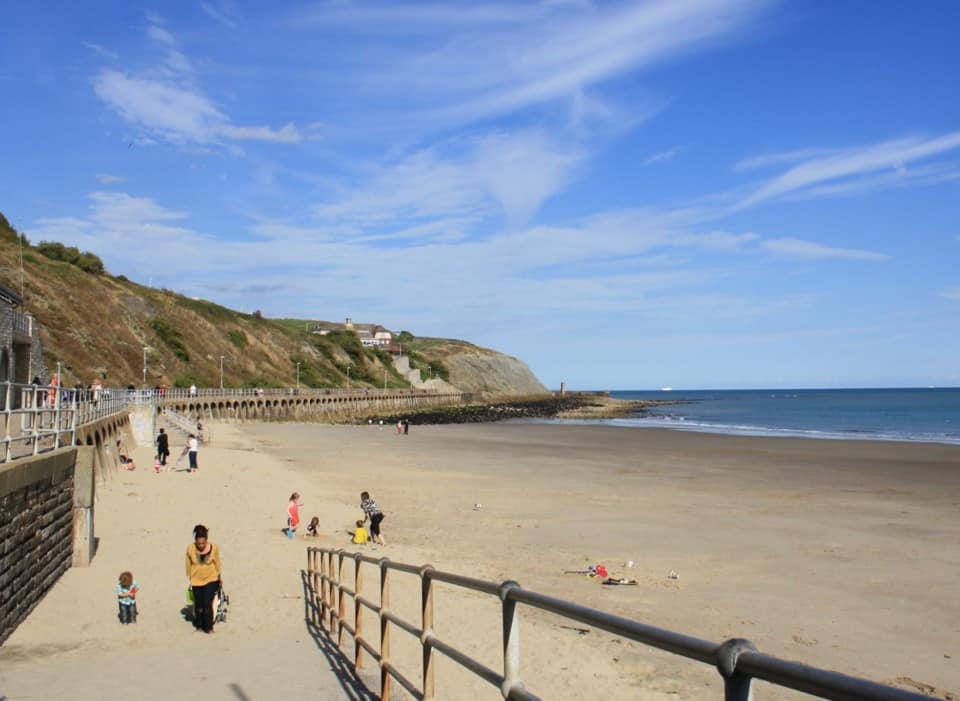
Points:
point(666, 389)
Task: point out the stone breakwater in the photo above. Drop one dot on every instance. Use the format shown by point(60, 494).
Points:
point(566, 406)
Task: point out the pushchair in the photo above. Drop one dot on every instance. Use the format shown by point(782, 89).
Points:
point(221, 602)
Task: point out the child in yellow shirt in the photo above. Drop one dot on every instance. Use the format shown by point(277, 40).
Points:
point(360, 536)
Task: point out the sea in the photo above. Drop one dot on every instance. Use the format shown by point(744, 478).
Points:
point(930, 415)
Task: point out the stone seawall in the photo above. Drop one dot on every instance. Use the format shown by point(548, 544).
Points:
point(36, 530)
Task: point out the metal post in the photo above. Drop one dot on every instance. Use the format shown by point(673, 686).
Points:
point(426, 625)
point(384, 379)
point(348, 377)
point(511, 641)
point(357, 613)
point(298, 374)
point(145, 349)
point(56, 410)
point(221, 372)
point(384, 629)
point(8, 408)
point(736, 686)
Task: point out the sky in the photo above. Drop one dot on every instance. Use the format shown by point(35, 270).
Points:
point(625, 195)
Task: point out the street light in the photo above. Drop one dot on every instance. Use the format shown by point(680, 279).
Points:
point(348, 376)
point(221, 372)
point(145, 349)
point(384, 379)
point(298, 374)
point(430, 371)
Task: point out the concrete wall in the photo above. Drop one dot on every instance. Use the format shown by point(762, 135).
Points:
point(44, 501)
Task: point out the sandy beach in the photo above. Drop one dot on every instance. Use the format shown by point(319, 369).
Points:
point(840, 554)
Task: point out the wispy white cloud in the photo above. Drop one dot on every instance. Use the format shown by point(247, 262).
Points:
point(952, 293)
point(809, 250)
point(100, 51)
point(486, 60)
point(767, 160)
point(661, 156)
point(837, 168)
point(223, 11)
point(167, 102)
point(108, 179)
point(483, 176)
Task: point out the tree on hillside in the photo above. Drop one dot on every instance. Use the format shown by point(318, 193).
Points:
point(86, 261)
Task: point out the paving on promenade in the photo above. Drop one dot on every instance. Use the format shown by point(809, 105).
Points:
point(72, 645)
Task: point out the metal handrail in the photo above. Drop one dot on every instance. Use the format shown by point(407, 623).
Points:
point(39, 418)
point(737, 660)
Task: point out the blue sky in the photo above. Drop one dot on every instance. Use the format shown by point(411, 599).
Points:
point(696, 194)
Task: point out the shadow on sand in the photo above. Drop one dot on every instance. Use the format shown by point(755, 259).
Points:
point(352, 685)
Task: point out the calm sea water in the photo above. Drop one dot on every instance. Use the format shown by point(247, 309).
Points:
point(930, 415)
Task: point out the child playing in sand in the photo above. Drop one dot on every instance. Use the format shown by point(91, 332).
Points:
point(293, 514)
point(126, 462)
point(314, 528)
point(360, 534)
point(127, 588)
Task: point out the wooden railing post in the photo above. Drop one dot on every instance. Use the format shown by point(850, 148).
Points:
point(426, 625)
point(357, 614)
point(324, 556)
point(332, 592)
point(314, 564)
point(341, 599)
point(384, 628)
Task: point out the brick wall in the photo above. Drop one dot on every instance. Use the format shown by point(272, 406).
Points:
point(36, 531)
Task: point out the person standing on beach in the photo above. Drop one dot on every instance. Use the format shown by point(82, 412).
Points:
point(293, 514)
point(372, 511)
point(203, 571)
point(193, 447)
point(406, 426)
point(163, 447)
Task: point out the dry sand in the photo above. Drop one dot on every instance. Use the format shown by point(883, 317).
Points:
point(843, 555)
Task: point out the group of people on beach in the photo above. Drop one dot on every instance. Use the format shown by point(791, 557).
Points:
point(205, 583)
point(371, 512)
point(203, 566)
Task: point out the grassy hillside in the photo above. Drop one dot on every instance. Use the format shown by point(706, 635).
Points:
point(97, 325)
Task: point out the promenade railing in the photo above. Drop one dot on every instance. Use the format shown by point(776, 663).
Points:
point(737, 660)
point(38, 418)
point(277, 392)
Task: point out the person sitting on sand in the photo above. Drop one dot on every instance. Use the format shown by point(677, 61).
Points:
point(314, 528)
point(126, 462)
point(372, 511)
point(360, 534)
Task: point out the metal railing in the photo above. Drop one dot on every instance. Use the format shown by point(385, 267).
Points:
point(737, 660)
point(211, 392)
point(38, 418)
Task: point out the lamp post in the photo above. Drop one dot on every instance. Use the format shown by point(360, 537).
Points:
point(348, 376)
point(298, 374)
point(430, 371)
point(145, 349)
point(221, 372)
point(384, 379)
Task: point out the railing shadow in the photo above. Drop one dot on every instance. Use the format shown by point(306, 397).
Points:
point(352, 685)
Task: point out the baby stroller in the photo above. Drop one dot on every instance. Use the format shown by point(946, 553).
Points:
point(221, 601)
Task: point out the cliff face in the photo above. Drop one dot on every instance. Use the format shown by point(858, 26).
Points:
point(475, 369)
point(97, 325)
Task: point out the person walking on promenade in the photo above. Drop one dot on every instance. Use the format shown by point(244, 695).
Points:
point(163, 447)
point(193, 447)
point(203, 571)
point(372, 511)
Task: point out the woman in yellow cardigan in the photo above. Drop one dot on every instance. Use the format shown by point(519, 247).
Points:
point(203, 569)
